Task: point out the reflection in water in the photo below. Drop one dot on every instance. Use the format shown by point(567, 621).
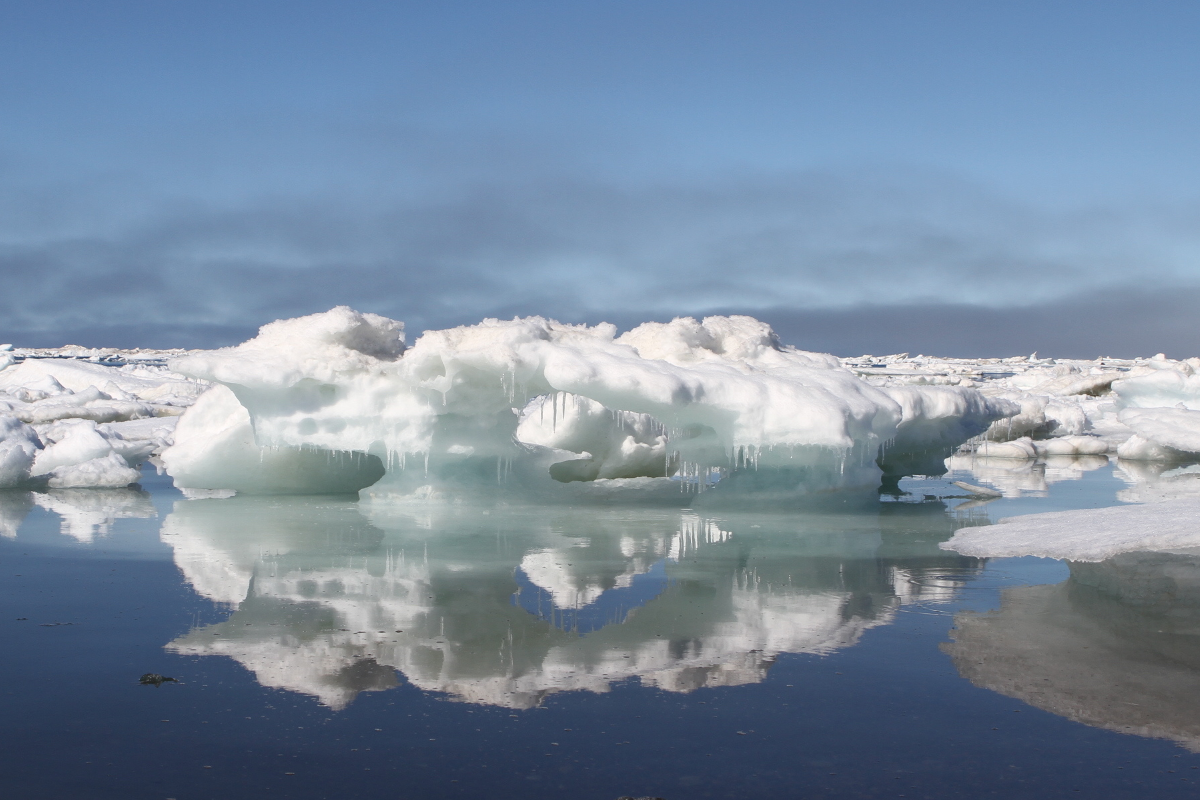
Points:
point(14, 507)
point(1016, 477)
point(1151, 482)
point(90, 513)
point(1116, 646)
point(506, 605)
point(86, 514)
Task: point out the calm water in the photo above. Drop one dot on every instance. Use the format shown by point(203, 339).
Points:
point(325, 648)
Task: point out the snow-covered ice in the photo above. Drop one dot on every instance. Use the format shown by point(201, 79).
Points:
point(1092, 534)
point(715, 404)
point(691, 411)
point(70, 419)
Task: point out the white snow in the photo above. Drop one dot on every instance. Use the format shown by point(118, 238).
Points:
point(1173, 433)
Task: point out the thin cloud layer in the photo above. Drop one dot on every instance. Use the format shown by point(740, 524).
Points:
point(842, 248)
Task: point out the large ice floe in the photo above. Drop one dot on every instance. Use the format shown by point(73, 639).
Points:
point(716, 407)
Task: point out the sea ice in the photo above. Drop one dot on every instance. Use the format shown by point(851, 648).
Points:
point(69, 423)
point(1092, 534)
point(718, 402)
point(687, 411)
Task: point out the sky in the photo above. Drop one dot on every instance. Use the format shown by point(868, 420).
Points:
point(951, 178)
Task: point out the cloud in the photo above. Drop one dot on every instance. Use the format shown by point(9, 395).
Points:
point(840, 259)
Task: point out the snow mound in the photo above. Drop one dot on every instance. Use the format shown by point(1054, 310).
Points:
point(1093, 534)
point(536, 403)
point(1161, 434)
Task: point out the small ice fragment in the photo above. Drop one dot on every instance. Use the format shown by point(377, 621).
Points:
point(978, 491)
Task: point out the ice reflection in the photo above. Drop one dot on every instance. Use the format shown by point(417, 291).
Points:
point(85, 514)
point(1015, 477)
point(506, 605)
point(14, 507)
point(1151, 482)
point(88, 514)
point(1116, 646)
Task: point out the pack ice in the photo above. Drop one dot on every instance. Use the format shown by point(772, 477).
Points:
point(712, 411)
point(715, 408)
point(69, 421)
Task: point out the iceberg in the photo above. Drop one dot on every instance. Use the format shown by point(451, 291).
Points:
point(714, 407)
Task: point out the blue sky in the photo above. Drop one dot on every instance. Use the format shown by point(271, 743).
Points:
point(893, 176)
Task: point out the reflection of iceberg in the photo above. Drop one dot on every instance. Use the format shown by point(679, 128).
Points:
point(89, 513)
point(14, 506)
point(1018, 477)
point(1116, 646)
point(329, 600)
point(1151, 482)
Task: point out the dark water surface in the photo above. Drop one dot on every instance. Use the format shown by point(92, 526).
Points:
point(330, 649)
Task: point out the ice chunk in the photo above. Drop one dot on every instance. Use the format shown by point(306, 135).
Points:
point(106, 472)
point(979, 491)
point(60, 375)
point(1163, 388)
point(19, 446)
point(74, 443)
point(1092, 534)
point(1022, 448)
point(1071, 446)
point(1169, 434)
point(215, 449)
point(934, 422)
